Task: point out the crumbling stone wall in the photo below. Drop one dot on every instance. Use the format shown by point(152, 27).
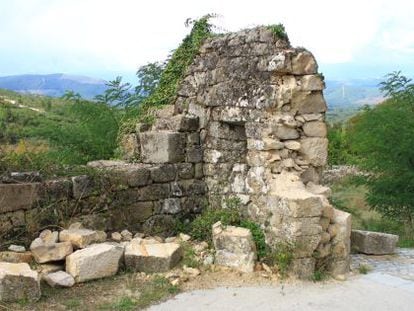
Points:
point(248, 122)
point(140, 197)
point(261, 137)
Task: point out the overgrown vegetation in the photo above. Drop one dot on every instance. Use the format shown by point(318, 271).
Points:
point(350, 196)
point(364, 269)
point(60, 134)
point(201, 229)
point(281, 255)
point(167, 80)
point(279, 30)
point(379, 140)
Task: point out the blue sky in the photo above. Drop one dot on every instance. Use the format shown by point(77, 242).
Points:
point(105, 38)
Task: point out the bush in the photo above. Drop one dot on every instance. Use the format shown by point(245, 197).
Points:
point(201, 227)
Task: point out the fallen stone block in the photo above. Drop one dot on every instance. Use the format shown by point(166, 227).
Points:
point(152, 258)
point(94, 262)
point(51, 252)
point(373, 243)
point(234, 247)
point(59, 279)
point(80, 238)
point(17, 248)
point(18, 282)
point(14, 257)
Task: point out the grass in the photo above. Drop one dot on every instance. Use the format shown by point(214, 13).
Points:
point(319, 276)
point(123, 292)
point(364, 269)
point(351, 198)
point(189, 256)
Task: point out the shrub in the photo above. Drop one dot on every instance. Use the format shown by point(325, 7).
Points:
point(281, 256)
point(279, 30)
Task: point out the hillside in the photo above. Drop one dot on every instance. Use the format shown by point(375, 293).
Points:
point(41, 132)
point(346, 97)
point(53, 84)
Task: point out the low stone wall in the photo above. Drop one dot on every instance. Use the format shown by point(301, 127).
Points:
point(141, 197)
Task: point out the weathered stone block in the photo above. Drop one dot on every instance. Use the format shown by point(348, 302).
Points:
point(163, 173)
point(59, 279)
point(303, 268)
point(315, 150)
point(185, 170)
point(18, 282)
point(308, 102)
point(315, 129)
point(373, 243)
point(82, 186)
point(194, 154)
point(15, 197)
point(14, 257)
point(51, 252)
point(171, 206)
point(304, 63)
point(234, 247)
point(152, 258)
point(80, 238)
point(162, 147)
point(94, 262)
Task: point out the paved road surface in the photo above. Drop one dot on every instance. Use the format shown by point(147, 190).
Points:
point(389, 287)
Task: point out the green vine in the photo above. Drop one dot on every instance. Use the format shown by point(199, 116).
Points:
point(174, 71)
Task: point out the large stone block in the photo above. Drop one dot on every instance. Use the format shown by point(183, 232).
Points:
point(315, 150)
point(162, 147)
point(152, 258)
point(18, 282)
point(304, 63)
point(308, 102)
point(51, 252)
point(94, 262)
point(59, 279)
point(80, 238)
point(315, 129)
point(373, 243)
point(15, 197)
point(235, 247)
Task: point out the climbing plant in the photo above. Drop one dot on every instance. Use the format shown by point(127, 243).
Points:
point(173, 73)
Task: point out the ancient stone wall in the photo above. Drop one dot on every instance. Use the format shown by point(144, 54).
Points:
point(248, 123)
point(141, 197)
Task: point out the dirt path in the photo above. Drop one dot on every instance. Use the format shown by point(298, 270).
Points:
point(390, 286)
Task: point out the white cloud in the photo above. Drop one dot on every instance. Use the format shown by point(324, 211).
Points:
point(107, 35)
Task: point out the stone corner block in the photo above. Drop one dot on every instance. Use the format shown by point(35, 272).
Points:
point(162, 147)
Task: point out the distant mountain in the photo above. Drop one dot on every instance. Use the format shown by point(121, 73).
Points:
point(352, 93)
point(54, 84)
point(345, 97)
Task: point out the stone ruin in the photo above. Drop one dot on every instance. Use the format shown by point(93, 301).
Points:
point(247, 123)
point(250, 120)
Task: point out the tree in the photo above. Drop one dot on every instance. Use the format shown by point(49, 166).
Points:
point(383, 138)
point(149, 77)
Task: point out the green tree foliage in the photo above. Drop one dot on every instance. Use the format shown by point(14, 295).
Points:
point(67, 131)
point(338, 148)
point(382, 139)
point(149, 77)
